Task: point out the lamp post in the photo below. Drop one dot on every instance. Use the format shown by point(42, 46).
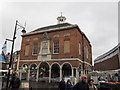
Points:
point(11, 56)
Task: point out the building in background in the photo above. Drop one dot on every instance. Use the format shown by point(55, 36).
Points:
point(15, 62)
point(16, 58)
point(54, 51)
point(109, 60)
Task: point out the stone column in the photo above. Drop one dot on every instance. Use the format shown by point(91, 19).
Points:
point(77, 74)
point(20, 74)
point(37, 74)
point(28, 74)
point(82, 72)
point(72, 72)
point(49, 74)
point(60, 73)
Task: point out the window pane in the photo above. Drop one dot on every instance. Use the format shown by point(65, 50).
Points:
point(56, 46)
point(35, 48)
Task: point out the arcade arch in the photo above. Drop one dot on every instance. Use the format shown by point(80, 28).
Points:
point(33, 72)
point(43, 70)
point(66, 69)
point(55, 70)
point(24, 71)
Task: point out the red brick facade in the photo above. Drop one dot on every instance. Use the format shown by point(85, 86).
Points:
point(80, 48)
point(109, 64)
point(109, 60)
point(75, 38)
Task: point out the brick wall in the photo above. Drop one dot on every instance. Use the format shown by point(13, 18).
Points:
point(75, 37)
point(109, 64)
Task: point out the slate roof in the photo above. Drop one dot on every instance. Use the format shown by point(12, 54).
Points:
point(53, 26)
point(107, 53)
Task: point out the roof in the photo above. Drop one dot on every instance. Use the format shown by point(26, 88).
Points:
point(55, 27)
point(51, 28)
point(107, 53)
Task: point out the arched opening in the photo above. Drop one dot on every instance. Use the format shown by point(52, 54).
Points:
point(43, 70)
point(66, 70)
point(24, 72)
point(55, 71)
point(33, 72)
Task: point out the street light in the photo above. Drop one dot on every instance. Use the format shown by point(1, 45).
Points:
point(14, 37)
point(9, 40)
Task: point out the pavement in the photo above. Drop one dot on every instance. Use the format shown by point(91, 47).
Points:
point(33, 85)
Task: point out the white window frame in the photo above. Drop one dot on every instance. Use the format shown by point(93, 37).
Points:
point(54, 48)
point(33, 48)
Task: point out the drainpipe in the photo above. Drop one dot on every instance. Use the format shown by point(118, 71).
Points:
point(83, 52)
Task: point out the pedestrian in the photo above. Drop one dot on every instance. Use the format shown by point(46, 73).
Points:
point(15, 82)
point(62, 85)
point(81, 85)
point(116, 77)
point(119, 76)
point(68, 85)
point(91, 85)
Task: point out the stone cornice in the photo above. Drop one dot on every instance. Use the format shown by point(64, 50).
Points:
point(64, 59)
point(48, 30)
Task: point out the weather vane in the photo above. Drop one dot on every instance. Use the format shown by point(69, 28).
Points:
point(61, 13)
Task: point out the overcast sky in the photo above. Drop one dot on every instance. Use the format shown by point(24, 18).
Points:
point(98, 20)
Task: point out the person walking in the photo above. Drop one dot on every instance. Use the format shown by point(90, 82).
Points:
point(15, 82)
point(68, 85)
point(62, 85)
point(81, 85)
point(91, 85)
